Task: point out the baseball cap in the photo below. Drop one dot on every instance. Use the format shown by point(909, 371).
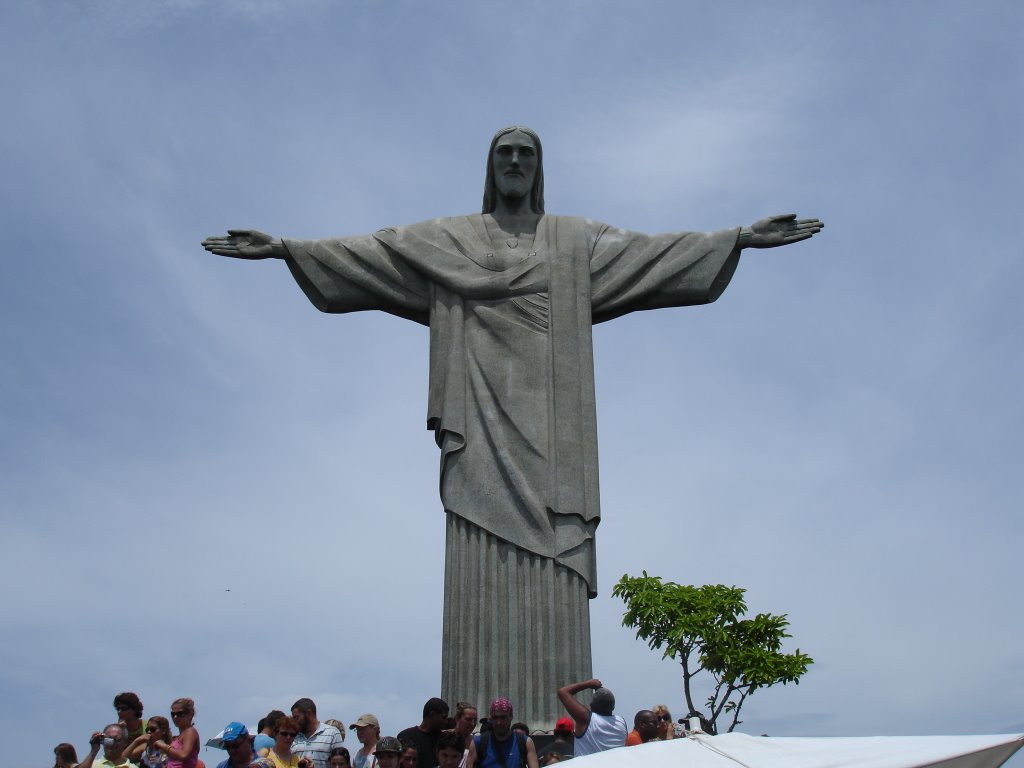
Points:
point(233, 731)
point(388, 744)
point(366, 720)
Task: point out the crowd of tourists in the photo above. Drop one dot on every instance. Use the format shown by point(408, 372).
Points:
point(443, 739)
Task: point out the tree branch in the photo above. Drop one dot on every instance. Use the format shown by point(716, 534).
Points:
point(736, 712)
point(686, 683)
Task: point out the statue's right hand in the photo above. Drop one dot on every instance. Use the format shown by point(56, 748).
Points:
point(246, 244)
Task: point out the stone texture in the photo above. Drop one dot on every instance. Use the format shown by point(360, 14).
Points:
point(514, 624)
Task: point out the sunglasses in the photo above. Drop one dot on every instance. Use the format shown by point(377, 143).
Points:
point(665, 718)
point(232, 745)
point(287, 734)
point(154, 729)
point(182, 713)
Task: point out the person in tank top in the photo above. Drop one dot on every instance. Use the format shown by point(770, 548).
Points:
point(597, 727)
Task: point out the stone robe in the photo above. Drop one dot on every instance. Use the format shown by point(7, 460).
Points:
point(511, 404)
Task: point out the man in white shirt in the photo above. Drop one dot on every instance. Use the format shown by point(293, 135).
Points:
point(314, 740)
point(597, 727)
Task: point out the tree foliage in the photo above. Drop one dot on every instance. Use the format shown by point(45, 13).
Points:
point(704, 629)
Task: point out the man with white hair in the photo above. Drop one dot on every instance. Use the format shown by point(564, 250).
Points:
point(114, 740)
point(597, 727)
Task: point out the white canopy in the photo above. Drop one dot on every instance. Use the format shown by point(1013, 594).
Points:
point(738, 750)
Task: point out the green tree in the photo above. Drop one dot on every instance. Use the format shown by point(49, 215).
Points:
point(704, 630)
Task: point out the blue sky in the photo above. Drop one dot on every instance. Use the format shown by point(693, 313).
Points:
point(210, 489)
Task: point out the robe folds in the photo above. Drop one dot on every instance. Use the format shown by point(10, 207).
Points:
point(511, 390)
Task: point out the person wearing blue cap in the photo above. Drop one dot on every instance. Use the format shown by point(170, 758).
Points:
point(238, 743)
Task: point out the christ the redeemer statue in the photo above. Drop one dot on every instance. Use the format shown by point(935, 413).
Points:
point(510, 296)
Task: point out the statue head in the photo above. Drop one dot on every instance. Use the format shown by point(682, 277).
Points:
point(491, 184)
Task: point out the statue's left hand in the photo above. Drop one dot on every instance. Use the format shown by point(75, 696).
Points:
point(779, 230)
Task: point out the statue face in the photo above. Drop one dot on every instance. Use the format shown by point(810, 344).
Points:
point(515, 164)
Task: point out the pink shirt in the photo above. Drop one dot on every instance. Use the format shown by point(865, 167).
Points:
point(190, 760)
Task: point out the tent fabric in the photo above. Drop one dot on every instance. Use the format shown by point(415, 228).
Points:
point(738, 750)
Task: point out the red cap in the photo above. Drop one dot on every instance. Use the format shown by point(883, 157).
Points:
point(565, 724)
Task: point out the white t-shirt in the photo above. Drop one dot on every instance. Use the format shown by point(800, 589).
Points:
point(603, 732)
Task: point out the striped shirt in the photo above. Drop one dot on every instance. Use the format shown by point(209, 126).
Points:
point(318, 746)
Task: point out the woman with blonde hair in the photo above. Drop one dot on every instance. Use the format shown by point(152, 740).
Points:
point(666, 730)
point(183, 749)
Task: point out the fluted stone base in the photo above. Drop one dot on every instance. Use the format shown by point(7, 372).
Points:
point(515, 625)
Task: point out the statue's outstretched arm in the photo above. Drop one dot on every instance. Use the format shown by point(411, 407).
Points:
point(778, 230)
point(246, 244)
